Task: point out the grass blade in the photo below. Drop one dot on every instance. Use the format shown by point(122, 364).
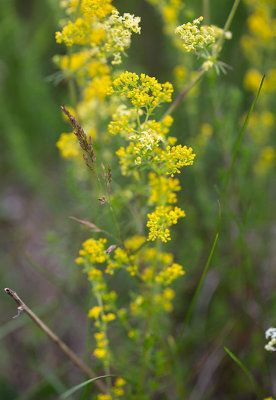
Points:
point(239, 140)
point(195, 296)
point(246, 371)
point(68, 393)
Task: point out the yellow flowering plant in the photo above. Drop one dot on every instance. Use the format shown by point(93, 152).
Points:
point(114, 108)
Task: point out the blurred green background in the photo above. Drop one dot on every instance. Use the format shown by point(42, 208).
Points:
point(38, 193)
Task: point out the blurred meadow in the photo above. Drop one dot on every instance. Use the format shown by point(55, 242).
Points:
point(40, 190)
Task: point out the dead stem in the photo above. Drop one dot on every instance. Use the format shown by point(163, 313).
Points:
point(66, 350)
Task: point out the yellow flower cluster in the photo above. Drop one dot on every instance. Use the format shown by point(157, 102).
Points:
point(123, 122)
point(176, 157)
point(162, 189)
point(196, 38)
point(145, 150)
point(118, 387)
point(68, 146)
point(160, 220)
point(253, 79)
point(169, 10)
point(169, 274)
point(102, 396)
point(143, 91)
point(79, 32)
point(98, 87)
point(101, 35)
point(96, 8)
point(266, 160)
point(94, 251)
point(164, 300)
point(118, 31)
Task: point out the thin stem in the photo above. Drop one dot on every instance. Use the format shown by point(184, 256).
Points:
point(195, 296)
point(199, 75)
point(206, 11)
point(104, 330)
point(201, 70)
point(240, 137)
point(66, 350)
point(226, 28)
point(149, 318)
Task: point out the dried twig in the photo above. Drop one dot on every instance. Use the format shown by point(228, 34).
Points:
point(66, 350)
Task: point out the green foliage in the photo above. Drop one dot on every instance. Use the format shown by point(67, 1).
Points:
point(140, 333)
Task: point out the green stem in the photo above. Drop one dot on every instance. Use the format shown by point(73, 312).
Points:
point(239, 140)
point(226, 28)
point(195, 296)
point(206, 11)
point(199, 75)
point(247, 373)
point(201, 70)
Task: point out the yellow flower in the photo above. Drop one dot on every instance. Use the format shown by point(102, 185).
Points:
point(266, 160)
point(68, 146)
point(104, 397)
point(180, 73)
point(109, 317)
point(98, 87)
point(96, 8)
point(118, 391)
point(99, 336)
point(94, 274)
point(99, 352)
point(175, 157)
point(120, 382)
point(162, 189)
point(94, 250)
point(169, 274)
point(197, 38)
point(160, 220)
point(168, 294)
point(252, 80)
point(259, 24)
point(94, 312)
point(143, 91)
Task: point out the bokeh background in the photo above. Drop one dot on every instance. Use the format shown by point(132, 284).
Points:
point(39, 192)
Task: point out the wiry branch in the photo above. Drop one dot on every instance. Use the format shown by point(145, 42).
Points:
point(66, 350)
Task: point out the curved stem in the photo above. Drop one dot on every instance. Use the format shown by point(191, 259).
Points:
point(201, 70)
point(226, 28)
point(66, 350)
point(199, 75)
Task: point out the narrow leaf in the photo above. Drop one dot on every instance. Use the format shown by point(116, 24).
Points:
point(88, 224)
point(206, 267)
point(245, 370)
point(239, 140)
point(68, 393)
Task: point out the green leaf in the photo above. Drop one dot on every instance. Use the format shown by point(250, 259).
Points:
point(246, 371)
point(239, 140)
point(68, 393)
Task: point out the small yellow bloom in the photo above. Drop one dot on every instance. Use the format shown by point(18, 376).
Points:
point(109, 317)
point(252, 80)
point(99, 336)
point(79, 260)
point(120, 382)
point(94, 312)
point(99, 352)
point(69, 146)
point(195, 38)
point(104, 397)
